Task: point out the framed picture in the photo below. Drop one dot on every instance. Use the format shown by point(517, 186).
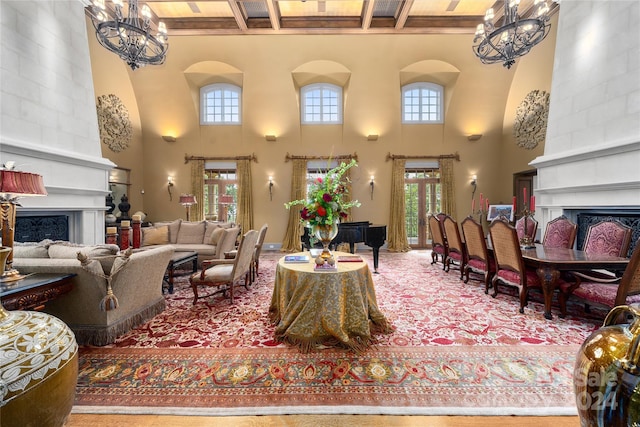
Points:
point(496, 211)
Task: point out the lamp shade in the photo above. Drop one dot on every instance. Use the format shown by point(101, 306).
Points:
point(225, 199)
point(188, 199)
point(16, 183)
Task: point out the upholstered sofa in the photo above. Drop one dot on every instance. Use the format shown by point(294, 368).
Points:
point(210, 239)
point(96, 312)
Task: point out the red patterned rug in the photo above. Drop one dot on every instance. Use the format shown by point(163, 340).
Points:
point(456, 351)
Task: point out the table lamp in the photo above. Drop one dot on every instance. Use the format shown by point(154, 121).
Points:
point(13, 185)
point(187, 200)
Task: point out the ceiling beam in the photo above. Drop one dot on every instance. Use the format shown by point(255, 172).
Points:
point(237, 13)
point(368, 13)
point(274, 14)
point(404, 14)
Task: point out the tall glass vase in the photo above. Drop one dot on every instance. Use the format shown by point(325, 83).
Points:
point(325, 233)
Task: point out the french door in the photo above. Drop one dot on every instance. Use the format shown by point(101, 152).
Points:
point(422, 197)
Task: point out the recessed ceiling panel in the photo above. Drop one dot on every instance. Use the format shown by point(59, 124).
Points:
point(177, 9)
point(450, 7)
point(320, 8)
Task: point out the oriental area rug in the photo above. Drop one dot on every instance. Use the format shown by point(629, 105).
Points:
point(455, 351)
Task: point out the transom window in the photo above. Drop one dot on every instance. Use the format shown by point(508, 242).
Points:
point(422, 103)
point(220, 104)
point(321, 104)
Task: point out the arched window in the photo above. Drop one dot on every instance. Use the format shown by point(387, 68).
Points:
point(321, 104)
point(422, 103)
point(220, 104)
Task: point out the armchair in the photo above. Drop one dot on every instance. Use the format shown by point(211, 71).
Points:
point(438, 241)
point(479, 260)
point(560, 233)
point(457, 253)
point(608, 293)
point(256, 253)
point(225, 272)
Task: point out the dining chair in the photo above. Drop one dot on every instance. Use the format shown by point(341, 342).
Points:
point(479, 260)
point(510, 268)
point(439, 246)
point(608, 237)
point(223, 273)
point(532, 227)
point(457, 254)
point(617, 291)
point(560, 233)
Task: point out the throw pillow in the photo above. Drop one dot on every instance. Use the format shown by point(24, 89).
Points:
point(174, 229)
point(216, 236)
point(191, 232)
point(29, 250)
point(210, 227)
point(155, 235)
point(70, 250)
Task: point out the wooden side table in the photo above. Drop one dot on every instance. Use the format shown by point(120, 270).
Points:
point(33, 292)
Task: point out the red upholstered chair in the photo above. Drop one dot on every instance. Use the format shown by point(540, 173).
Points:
point(532, 228)
point(479, 260)
point(560, 233)
point(510, 269)
point(607, 237)
point(438, 241)
point(457, 254)
point(617, 292)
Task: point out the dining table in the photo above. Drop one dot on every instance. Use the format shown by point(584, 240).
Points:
point(550, 263)
point(312, 308)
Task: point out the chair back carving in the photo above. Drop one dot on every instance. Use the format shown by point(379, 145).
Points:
point(532, 227)
point(608, 237)
point(560, 233)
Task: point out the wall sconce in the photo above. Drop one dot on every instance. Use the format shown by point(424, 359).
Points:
point(474, 137)
point(270, 138)
point(169, 185)
point(372, 137)
point(270, 187)
point(474, 184)
point(169, 138)
point(371, 183)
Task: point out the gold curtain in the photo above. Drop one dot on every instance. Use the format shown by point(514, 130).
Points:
point(197, 188)
point(397, 233)
point(291, 242)
point(447, 187)
point(245, 199)
point(348, 196)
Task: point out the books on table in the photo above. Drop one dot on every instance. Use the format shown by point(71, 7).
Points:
point(350, 258)
point(296, 259)
point(326, 267)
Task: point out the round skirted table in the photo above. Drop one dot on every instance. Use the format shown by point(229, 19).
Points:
point(339, 308)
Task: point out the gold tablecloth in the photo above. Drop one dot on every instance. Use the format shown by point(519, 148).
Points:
point(330, 308)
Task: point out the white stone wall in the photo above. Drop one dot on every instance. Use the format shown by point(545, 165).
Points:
point(48, 122)
point(592, 150)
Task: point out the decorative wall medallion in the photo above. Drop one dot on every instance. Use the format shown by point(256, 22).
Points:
point(530, 127)
point(113, 121)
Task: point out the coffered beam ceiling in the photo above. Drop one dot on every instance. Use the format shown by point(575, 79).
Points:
point(327, 16)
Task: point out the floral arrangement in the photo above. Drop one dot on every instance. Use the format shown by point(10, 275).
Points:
point(326, 204)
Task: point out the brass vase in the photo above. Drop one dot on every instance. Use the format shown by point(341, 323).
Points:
point(607, 372)
point(325, 233)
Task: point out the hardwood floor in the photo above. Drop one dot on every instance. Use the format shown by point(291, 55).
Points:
point(84, 420)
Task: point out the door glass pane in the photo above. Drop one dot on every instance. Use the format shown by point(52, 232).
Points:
point(412, 216)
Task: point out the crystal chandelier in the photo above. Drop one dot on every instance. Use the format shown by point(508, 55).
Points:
point(514, 38)
point(130, 37)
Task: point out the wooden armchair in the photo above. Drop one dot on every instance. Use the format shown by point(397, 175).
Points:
point(510, 268)
point(457, 253)
point(607, 237)
point(255, 263)
point(479, 260)
point(223, 273)
point(438, 241)
point(607, 294)
point(560, 233)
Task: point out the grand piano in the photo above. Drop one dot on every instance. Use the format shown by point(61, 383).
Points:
point(372, 235)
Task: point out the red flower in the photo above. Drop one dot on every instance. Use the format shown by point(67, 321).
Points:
point(322, 211)
point(327, 197)
point(343, 215)
point(304, 214)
